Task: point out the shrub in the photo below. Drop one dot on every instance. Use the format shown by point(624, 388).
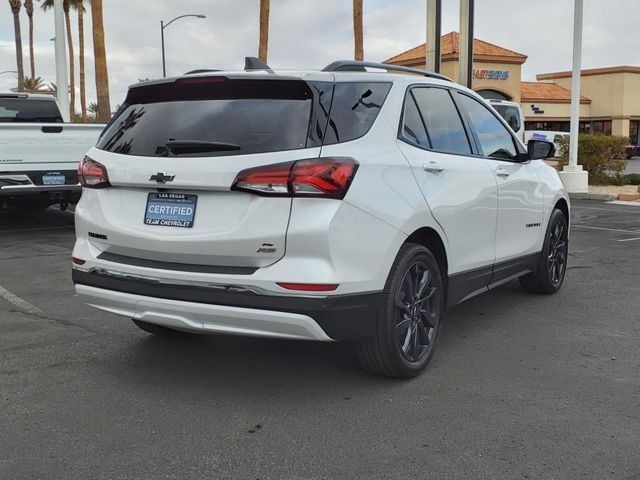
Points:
point(633, 179)
point(600, 155)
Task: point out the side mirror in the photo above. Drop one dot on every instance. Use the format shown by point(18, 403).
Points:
point(539, 149)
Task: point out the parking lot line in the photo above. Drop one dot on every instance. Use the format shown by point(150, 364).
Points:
point(607, 229)
point(23, 305)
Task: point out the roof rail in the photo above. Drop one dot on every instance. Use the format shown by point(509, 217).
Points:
point(357, 66)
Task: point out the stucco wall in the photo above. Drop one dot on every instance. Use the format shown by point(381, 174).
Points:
point(606, 92)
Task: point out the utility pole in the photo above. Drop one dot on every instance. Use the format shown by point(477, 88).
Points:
point(465, 49)
point(434, 32)
point(62, 80)
point(575, 179)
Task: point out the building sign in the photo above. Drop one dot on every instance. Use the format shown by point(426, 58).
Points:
point(536, 110)
point(491, 74)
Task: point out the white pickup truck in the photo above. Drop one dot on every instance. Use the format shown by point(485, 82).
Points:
point(39, 154)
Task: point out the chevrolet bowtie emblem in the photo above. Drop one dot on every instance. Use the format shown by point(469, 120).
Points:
point(161, 178)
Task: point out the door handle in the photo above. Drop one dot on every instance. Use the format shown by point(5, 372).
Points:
point(501, 172)
point(432, 167)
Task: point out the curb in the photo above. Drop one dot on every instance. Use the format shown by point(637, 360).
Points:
point(593, 196)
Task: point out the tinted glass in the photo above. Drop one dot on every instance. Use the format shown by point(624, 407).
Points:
point(510, 114)
point(442, 120)
point(412, 127)
point(322, 96)
point(495, 139)
point(354, 109)
point(18, 110)
point(221, 117)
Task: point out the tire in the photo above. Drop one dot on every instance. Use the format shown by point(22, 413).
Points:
point(390, 351)
point(552, 266)
point(158, 329)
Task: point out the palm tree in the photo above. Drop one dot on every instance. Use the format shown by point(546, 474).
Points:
point(100, 55)
point(93, 109)
point(15, 9)
point(66, 5)
point(79, 6)
point(264, 30)
point(28, 7)
point(357, 29)
point(34, 84)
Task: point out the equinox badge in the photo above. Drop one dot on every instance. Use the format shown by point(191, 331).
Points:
point(160, 177)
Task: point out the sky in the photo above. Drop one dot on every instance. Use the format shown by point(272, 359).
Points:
point(313, 33)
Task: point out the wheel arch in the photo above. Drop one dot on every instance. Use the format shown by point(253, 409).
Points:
point(563, 206)
point(431, 239)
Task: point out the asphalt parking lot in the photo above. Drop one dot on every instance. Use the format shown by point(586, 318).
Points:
point(522, 386)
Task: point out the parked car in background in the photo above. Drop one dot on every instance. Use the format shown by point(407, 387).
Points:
point(39, 154)
point(512, 114)
point(548, 136)
point(631, 151)
point(334, 205)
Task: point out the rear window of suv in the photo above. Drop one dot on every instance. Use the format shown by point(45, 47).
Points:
point(211, 116)
point(208, 116)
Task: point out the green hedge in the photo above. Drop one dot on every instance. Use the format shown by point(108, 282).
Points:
point(600, 155)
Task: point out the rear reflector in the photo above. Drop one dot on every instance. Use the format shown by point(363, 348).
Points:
point(92, 174)
point(318, 178)
point(310, 287)
point(78, 261)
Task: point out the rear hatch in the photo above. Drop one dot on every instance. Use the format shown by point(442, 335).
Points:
point(171, 155)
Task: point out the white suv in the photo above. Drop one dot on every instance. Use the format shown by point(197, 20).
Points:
point(335, 205)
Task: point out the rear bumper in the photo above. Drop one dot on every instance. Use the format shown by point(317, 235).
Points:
point(202, 309)
point(30, 183)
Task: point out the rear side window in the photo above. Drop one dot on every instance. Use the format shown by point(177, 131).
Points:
point(412, 127)
point(495, 139)
point(22, 110)
point(442, 120)
point(214, 116)
point(354, 109)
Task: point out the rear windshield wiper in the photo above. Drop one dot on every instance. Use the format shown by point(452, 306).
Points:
point(198, 146)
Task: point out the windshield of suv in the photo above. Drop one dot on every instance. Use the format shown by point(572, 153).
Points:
point(212, 116)
point(22, 110)
point(510, 114)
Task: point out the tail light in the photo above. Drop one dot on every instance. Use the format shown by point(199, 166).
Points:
point(318, 178)
point(92, 174)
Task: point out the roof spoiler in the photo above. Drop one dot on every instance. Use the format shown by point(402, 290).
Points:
point(14, 95)
point(202, 70)
point(358, 66)
point(250, 63)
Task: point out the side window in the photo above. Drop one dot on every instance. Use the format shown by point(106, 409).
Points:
point(510, 114)
point(442, 120)
point(495, 139)
point(412, 126)
point(354, 108)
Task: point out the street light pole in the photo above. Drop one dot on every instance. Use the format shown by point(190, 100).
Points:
point(163, 26)
point(62, 80)
point(575, 179)
point(164, 62)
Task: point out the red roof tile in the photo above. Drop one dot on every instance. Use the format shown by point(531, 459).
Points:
point(449, 49)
